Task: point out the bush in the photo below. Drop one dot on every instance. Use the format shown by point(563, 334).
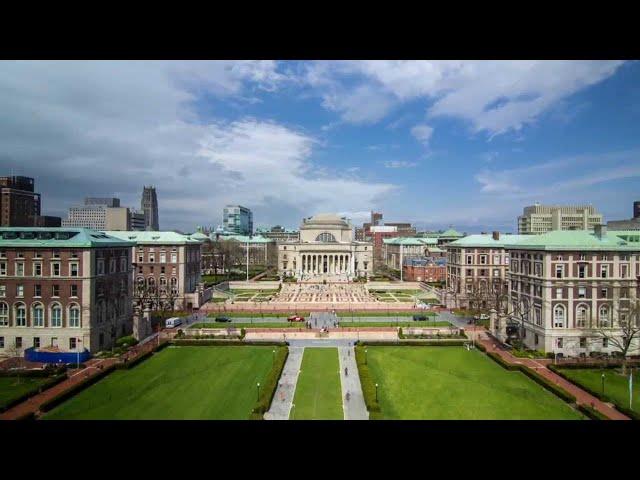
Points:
point(592, 413)
point(499, 360)
point(415, 343)
point(34, 391)
point(552, 387)
point(268, 388)
point(214, 343)
point(127, 341)
point(368, 385)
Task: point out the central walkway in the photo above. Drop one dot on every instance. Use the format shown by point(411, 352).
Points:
point(283, 398)
point(354, 408)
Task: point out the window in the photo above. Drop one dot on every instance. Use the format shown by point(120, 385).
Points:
point(559, 342)
point(21, 315)
point(74, 291)
point(483, 259)
point(558, 316)
point(604, 271)
point(558, 293)
point(56, 254)
point(140, 258)
point(36, 342)
point(603, 314)
point(55, 269)
point(56, 315)
point(73, 269)
point(163, 257)
point(3, 291)
point(582, 271)
point(152, 258)
point(55, 290)
point(123, 264)
point(72, 343)
point(496, 272)
point(100, 267)
point(1, 342)
point(37, 269)
point(624, 269)
point(605, 257)
point(469, 259)
point(3, 269)
point(174, 257)
point(19, 291)
point(582, 292)
point(581, 316)
point(535, 339)
point(559, 271)
point(583, 257)
point(4, 314)
point(583, 342)
point(74, 316)
point(605, 343)
point(19, 269)
point(37, 315)
point(18, 342)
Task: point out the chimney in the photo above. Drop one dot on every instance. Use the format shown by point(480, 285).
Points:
point(601, 231)
point(496, 235)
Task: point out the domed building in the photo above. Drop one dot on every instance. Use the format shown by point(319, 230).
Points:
point(326, 250)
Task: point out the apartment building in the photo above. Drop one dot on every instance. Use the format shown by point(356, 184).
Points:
point(396, 251)
point(476, 263)
point(566, 287)
point(538, 218)
point(63, 289)
point(19, 204)
point(168, 265)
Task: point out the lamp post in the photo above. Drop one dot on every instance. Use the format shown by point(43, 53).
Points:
point(258, 385)
point(293, 411)
point(274, 356)
point(366, 361)
point(602, 383)
point(376, 393)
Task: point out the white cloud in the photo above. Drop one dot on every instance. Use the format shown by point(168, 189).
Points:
point(493, 96)
point(399, 164)
point(422, 133)
point(108, 128)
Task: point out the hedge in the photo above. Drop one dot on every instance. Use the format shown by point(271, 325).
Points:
point(622, 409)
point(34, 391)
point(128, 340)
point(368, 385)
point(45, 372)
point(500, 361)
point(75, 389)
point(415, 343)
point(592, 413)
point(216, 343)
point(268, 388)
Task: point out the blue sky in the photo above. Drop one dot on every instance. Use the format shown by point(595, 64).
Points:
point(442, 143)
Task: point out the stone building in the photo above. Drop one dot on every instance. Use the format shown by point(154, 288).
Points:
point(326, 250)
point(64, 289)
point(537, 218)
point(398, 250)
point(567, 287)
point(168, 265)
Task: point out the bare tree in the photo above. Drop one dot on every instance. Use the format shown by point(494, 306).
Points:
point(620, 335)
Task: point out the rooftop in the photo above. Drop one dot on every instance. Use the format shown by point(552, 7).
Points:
point(164, 238)
point(486, 240)
point(574, 240)
point(71, 237)
point(410, 241)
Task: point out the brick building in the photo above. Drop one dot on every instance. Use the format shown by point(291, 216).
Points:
point(19, 204)
point(417, 271)
point(65, 289)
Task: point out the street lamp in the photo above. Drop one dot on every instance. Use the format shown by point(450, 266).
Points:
point(274, 355)
point(293, 411)
point(602, 384)
point(376, 392)
point(365, 357)
point(258, 385)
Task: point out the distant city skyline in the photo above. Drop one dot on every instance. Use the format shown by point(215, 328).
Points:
point(468, 144)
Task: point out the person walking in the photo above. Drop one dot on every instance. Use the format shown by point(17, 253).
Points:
point(346, 372)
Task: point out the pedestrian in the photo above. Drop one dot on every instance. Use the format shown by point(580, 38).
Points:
point(346, 372)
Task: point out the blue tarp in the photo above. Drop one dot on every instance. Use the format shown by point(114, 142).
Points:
point(33, 355)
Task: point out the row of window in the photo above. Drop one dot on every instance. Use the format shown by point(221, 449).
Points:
point(21, 315)
point(113, 263)
point(37, 291)
point(37, 255)
point(18, 343)
point(152, 257)
point(36, 269)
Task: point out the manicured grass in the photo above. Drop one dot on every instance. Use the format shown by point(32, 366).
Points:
point(383, 313)
point(256, 314)
point(176, 383)
point(249, 325)
point(446, 383)
point(348, 323)
point(13, 387)
point(318, 391)
point(616, 386)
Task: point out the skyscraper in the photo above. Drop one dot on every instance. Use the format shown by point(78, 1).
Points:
point(19, 204)
point(237, 219)
point(149, 205)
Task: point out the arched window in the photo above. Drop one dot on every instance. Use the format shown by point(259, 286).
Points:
point(174, 285)
point(37, 315)
point(20, 314)
point(4, 314)
point(56, 315)
point(581, 315)
point(151, 283)
point(603, 314)
point(74, 315)
point(559, 316)
point(326, 237)
point(163, 281)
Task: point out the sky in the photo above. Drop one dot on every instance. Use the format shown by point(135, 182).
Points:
point(466, 144)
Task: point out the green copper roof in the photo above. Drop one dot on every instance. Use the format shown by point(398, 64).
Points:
point(486, 240)
point(71, 237)
point(410, 241)
point(247, 239)
point(572, 240)
point(628, 235)
point(451, 233)
point(160, 238)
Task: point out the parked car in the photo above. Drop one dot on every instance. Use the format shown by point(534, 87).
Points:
point(222, 319)
point(295, 318)
point(482, 316)
point(419, 318)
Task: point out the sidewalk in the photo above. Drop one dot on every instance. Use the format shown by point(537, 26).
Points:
point(283, 398)
point(355, 408)
point(540, 367)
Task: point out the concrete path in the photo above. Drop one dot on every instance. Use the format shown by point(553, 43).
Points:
point(283, 398)
point(354, 408)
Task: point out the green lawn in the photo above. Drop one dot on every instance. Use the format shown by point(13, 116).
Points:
point(255, 314)
point(447, 383)
point(348, 323)
point(13, 387)
point(181, 383)
point(318, 391)
point(383, 313)
point(249, 325)
point(616, 386)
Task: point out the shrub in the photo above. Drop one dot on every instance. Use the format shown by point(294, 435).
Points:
point(592, 413)
point(127, 341)
point(552, 387)
point(34, 391)
point(499, 360)
point(268, 388)
point(415, 343)
point(368, 385)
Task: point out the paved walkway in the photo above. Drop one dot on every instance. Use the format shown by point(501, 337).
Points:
point(354, 408)
point(582, 397)
point(283, 398)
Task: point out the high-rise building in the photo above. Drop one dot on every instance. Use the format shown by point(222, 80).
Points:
point(631, 224)
point(237, 219)
point(19, 204)
point(149, 205)
point(538, 218)
point(137, 220)
point(376, 218)
point(107, 202)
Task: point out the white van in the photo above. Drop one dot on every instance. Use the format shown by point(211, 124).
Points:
point(173, 322)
